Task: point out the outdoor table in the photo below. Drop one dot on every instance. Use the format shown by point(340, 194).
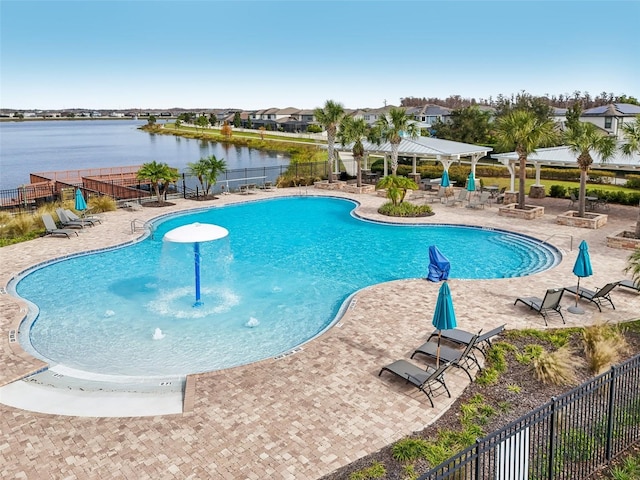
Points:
point(492, 189)
point(593, 202)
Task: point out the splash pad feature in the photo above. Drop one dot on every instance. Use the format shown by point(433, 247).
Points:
point(196, 233)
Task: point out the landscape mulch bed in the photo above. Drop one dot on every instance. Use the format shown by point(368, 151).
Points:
point(533, 393)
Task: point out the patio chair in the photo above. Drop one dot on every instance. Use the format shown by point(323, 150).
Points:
point(549, 304)
point(460, 199)
point(458, 358)
point(75, 218)
point(440, 196)
point(572, 200)
point(462, 337)
point(485, 198)
point(52, 229)
point(597, 296)
point(422, 379)
point(500, 196)
point(66, 222)
point(629, 284)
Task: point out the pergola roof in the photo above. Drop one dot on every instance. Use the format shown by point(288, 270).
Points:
point(427, 147)
point(563, 157)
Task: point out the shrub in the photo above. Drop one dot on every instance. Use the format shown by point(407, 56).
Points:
point(558, 367)
point(558, 191)
point(101, 204)
point(376, 470)
point(405, 209)
point(21, 224)
point(633, 181)
point(531, 352)
point(409, 449)
point(603, 345)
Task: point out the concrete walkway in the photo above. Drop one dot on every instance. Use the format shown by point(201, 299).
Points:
point(303, 415)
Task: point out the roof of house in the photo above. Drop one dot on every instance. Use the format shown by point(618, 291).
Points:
point(613, 110)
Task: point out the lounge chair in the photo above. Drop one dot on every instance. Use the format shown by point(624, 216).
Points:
point(440, 196)
point(52, 229)
point(66, 222)
point(596, 296)
point(485, 198)
point(75, 218)
point(422, 379)
point(550, 303)
point(453, 201)
point(629, 284)
point(462, 337)
point(500, 196)
point(458, 358)
point(90, 218)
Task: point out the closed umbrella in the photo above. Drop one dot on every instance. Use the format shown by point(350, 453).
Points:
point(80, 203)
point(439, 265)
point(444, 317)
point(581, 269)
point(471, 182)
point(444, 181)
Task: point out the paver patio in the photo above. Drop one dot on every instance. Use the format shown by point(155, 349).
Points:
point(309, 413)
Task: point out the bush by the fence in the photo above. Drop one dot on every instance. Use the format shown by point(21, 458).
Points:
point(558, 191)
point(633, 181)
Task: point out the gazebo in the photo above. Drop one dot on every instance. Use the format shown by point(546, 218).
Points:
point(426, 148)
point(563, 157)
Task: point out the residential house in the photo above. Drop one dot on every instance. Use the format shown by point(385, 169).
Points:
point(610, 118)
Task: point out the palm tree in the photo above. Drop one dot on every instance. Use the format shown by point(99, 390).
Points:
point(329, 117)
point(391, 129)
point(583, 139)
point(633, 266)
point(206, 170)
point(355, 130)
point(397, 187)
point(631, 133)
point(157, 174)
point(521, 130)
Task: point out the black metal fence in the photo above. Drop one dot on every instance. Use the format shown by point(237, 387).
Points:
point(570, 437)
point(29, 197)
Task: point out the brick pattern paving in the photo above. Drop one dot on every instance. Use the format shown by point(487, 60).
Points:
point(306, 414)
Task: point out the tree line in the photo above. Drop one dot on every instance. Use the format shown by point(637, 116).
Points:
point(563, 100)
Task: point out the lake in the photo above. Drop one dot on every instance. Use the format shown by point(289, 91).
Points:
point(44, 146)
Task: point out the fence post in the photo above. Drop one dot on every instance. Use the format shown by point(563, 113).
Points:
point(552, 437)
point(184, 187)
point(612, 391)
point(477, 472)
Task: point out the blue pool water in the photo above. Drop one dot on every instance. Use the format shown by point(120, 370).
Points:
point(277, 280)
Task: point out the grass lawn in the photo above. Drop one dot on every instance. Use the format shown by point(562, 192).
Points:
point(215, 131)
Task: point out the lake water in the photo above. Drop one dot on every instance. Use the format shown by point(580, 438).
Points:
point(44, 146)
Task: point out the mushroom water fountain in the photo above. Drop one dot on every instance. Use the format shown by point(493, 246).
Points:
point(196, 233)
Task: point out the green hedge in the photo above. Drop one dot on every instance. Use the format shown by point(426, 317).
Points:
point(620, 197)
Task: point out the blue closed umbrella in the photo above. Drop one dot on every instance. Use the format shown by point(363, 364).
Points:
point(444, 317)
point(80, 203)
point(444, 181)
point(439, 265)
point(471, 182)
point(581, 269)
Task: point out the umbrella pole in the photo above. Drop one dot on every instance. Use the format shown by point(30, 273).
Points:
point(438, 350)
point(577, 292)
point(575, 308)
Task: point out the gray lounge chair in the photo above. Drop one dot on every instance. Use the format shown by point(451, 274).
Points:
point(52, 229)
point(462, 337)
point(75, 218)
point(453, 201)
point(458, 358)
point(550, 303)
point(422, 379)
point(485, 198)
point(66, 222)
point(596, 296)
point(629, 284)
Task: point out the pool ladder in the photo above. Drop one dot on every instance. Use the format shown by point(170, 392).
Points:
point(138, 225)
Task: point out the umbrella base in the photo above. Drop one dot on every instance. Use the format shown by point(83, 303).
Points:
point(575, 310)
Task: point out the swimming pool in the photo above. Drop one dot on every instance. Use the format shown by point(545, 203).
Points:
point(278, 279)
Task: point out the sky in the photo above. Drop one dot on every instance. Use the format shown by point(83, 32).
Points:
point(162, 54)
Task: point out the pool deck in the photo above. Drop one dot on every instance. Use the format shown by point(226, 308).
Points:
point(306, 414)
